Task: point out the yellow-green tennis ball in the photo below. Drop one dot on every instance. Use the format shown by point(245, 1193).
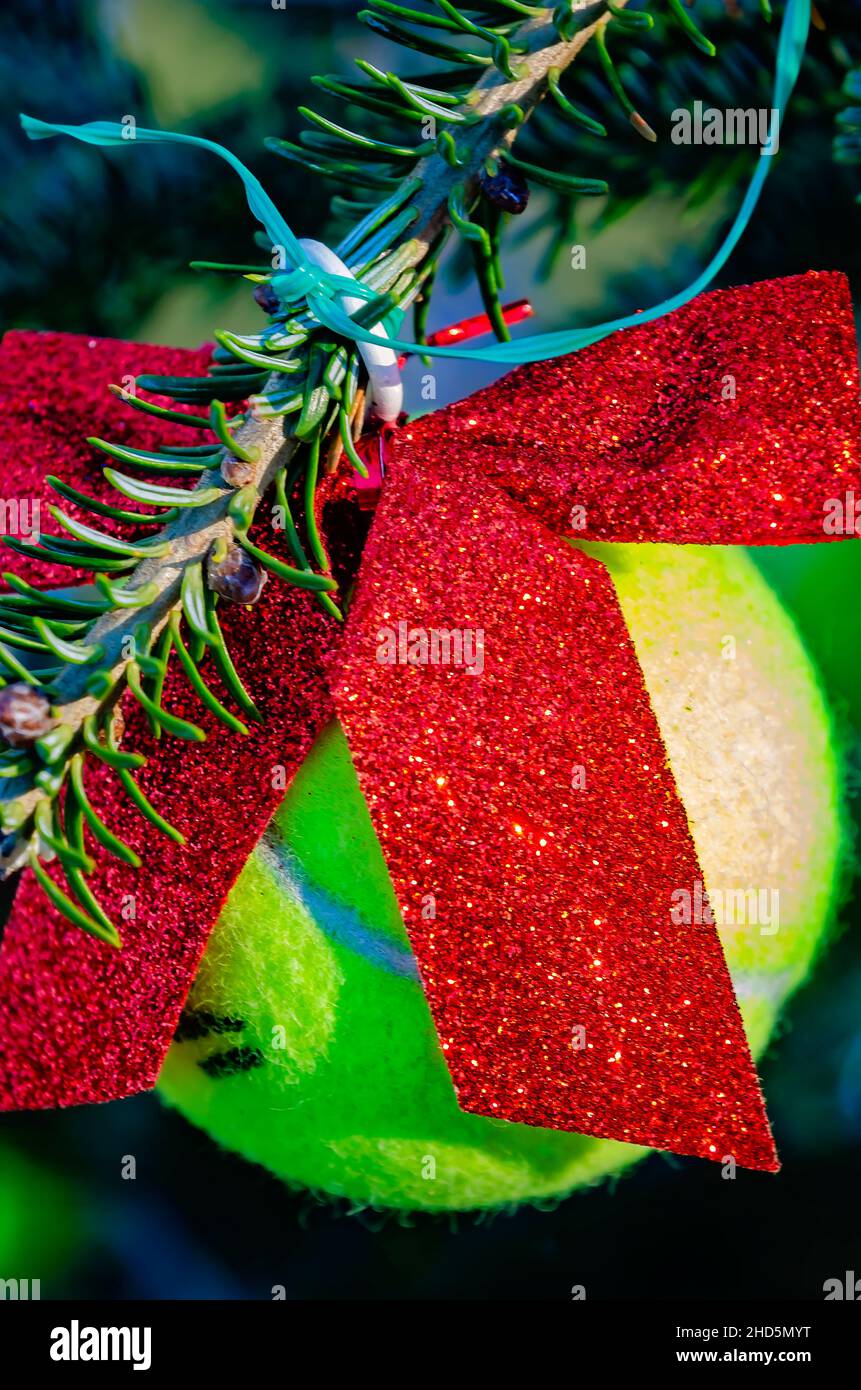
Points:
point(309, 1046)
point(817, 580)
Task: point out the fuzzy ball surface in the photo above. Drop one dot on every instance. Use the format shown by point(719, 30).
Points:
point(307, 1045)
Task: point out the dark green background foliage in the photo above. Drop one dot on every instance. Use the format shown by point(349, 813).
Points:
point(98, 244)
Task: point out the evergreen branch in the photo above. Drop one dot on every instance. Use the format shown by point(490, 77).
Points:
point(124, 638)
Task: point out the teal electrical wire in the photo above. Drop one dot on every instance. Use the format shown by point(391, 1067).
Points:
point(322, 289)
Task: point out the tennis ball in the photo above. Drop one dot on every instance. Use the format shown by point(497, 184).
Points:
point(815, 580)
point(308, 1046)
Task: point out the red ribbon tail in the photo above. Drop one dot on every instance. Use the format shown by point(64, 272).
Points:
point(520, 789)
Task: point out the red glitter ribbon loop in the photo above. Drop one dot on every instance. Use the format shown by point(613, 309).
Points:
point(734, 420)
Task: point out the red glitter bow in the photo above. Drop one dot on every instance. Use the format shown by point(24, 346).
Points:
point(551, 905)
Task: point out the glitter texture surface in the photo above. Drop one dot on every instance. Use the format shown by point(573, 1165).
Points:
point(51, 425)
point(528, 815)
point(534, 835)
point(530, 821)
point(79, 1021)
point(733, 420)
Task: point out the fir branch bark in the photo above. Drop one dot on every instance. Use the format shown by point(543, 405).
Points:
point(491, 95)
point(196, 530)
